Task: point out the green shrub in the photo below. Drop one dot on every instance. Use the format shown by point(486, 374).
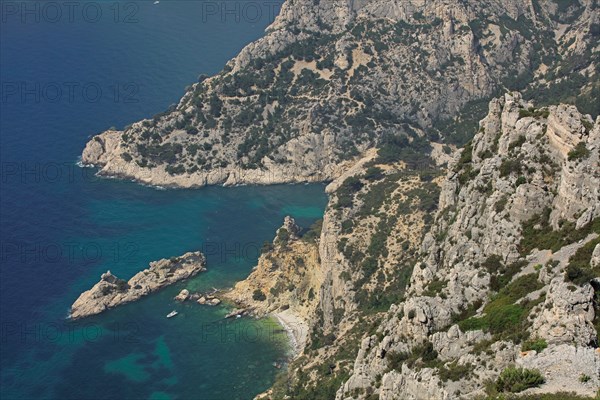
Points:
point(426, 352)
point(346, 191)
point(587, 125)
point(162, 154)
point(122, 285)
point(374, 198)
point(454, 372)
point(579, 271)
point(473, 324)
point(258, 295)
point(373, 174)
point(468, 174)
point(487, 153)
point(583, 378)
point(538, 345)
point(467, 312)
point(395, 359)
point(459, 130)
point(501, 204)
point(435, 287)
point(537, 233)
point(517, 143)
point(466, 157)
point(578, 275)
point(504, 317)
point(483, 346)
point(519, 288)
point(532, 112)
point(579, 152)
point(175, 169)
point(314, 232)
point(283, 236)
point(347, 226)
point(516, 380)
point(266, 247)
point(502, 276)
point(493, 263)
point(510, 166)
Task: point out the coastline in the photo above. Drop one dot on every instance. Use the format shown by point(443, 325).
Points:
point(203, 181)
point(296, 329)
point(104, 153)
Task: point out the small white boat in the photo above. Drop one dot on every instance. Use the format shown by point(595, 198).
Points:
point(156, 2)
point(172, 314)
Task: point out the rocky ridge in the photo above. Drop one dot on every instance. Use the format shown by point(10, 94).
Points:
point(485, 285)
point(111, 291)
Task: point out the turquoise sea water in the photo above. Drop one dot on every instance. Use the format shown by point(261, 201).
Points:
point(60, 227)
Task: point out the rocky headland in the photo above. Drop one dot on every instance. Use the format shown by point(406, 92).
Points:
point(111, 291)
point(329, 82)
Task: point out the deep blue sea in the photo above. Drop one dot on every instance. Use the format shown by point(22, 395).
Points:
point(72, 69)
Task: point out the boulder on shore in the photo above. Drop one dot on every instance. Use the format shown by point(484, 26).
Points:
point(183, 295)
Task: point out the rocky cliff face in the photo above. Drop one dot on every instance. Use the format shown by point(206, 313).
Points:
point(430, 286)
point(288, 275)
point(286, 281)
point(331, 79)
point(508, 262)
point(111, 291)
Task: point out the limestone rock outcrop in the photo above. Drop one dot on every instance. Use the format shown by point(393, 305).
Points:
point(567, 315)
point(517, 205)
point(111, 291)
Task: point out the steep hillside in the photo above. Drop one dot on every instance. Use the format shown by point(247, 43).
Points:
point(332, 79)
point(337, 278)
point(428, 287)
point(508, 273)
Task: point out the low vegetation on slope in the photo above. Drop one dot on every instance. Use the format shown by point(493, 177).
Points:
point(314, 93)
point(497, 282)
